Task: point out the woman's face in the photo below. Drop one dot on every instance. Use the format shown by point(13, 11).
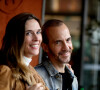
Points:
point(33, 38)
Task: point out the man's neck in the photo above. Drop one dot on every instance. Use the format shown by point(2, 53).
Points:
point(60, 67)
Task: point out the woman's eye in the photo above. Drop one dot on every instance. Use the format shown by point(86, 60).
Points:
point(28, 33)
point(38, 32)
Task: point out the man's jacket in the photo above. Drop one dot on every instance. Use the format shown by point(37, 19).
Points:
point(52, 77)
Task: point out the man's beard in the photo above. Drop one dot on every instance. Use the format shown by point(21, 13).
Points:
point(59, 57)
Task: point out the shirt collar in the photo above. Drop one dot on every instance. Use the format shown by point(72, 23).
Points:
point(52, 71)
point(50, 68)
point(27, 60)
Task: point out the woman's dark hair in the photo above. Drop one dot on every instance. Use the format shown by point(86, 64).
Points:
point(14, 38)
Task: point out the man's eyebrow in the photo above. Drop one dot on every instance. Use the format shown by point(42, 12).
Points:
point(57, 40)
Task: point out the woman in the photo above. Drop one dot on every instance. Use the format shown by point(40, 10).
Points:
point(22, 40)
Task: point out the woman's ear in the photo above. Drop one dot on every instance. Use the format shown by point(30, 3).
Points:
point(45, 47)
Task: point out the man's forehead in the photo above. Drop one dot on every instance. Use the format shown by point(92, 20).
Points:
point(57, 37)
point(58, 33)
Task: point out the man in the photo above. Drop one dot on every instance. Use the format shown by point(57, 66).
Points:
point(58, 46)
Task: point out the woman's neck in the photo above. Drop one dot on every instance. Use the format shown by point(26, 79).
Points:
point(26, 60)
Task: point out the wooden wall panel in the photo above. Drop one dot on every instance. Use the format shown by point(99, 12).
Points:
point(9, 8)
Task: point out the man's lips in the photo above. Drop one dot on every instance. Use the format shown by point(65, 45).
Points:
point(65, 54)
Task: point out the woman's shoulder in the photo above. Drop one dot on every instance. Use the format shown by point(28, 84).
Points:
point(4, 69)
point(6, 79)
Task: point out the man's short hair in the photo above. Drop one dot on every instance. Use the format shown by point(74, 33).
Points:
point(47, 24)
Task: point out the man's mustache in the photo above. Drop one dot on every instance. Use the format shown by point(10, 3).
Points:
point(65, 51)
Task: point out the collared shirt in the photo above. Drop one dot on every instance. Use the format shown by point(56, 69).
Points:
point(52, 77)
point(27, 60)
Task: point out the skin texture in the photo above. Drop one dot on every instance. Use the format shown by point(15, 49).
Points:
point(21, 41)
point(59, 48)
point(33, 38)
point(32, 44)
point(35, 87)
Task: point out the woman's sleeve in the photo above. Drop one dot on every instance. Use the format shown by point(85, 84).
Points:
point(5, 78)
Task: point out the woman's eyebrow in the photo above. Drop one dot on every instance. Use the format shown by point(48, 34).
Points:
point(28, 31)
point(40, 29)
point(31, 30)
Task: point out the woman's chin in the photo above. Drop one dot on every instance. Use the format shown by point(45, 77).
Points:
point(35, 53)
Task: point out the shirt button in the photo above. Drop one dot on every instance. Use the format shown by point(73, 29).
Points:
point(57, 76)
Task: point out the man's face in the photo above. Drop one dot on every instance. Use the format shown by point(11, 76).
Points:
point(59, 48)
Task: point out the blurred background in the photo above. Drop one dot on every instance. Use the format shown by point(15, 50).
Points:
point(83, 20)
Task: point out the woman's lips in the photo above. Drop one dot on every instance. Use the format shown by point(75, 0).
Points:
point(34, 46)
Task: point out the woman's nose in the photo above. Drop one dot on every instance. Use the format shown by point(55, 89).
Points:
point(35, 37)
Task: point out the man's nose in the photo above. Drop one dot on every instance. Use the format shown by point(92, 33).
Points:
point(65, 46)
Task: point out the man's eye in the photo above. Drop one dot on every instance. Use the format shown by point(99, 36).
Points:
point(58, 42)
point(69, 39)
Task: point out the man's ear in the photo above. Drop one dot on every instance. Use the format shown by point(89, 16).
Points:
point(45, 47)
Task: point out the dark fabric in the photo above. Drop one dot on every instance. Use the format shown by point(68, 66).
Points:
point(67, 80)
point(2, 58)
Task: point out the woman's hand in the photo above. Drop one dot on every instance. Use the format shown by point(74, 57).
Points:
point(69, 66)
point(37, 86)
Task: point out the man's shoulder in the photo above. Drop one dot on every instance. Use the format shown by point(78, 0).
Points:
point(40, 68)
